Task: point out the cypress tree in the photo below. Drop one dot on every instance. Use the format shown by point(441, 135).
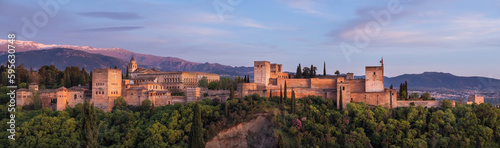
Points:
point(196, 134)
point(304, 105)
point(324, 68)
point(126, 75)
point(67, 78)
point(82, 80)
point(400, 89)
point(89, 126)
point(270, 93)
point(298, 74)
point(90, 80)
point(293, 102)
point(313, 72)
point(281, 94)
point(340, 99)
point(285, 96)
point(231, 93)
point(226, 109)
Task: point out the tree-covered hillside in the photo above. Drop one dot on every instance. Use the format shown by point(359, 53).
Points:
point(304, 122)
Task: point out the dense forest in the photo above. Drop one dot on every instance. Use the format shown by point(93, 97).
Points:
point(304, 122)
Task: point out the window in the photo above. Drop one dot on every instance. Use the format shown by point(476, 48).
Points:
point(373, 73)
point(75, 96)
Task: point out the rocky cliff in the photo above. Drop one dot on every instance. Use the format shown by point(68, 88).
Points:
point(255, 133)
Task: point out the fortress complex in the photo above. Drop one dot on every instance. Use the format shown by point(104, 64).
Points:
point(108, 85)
point(269, 78)
point(163, 88)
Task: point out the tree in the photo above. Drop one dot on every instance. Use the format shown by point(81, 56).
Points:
point(305, 72)
point(293, 102)
point(120, 103)
point(126, 75)
point(446, 104)
point(36, 101)
point(324, 68)
point(281, 143)
point(415, 96)
point(337, 72)
point(83, 81)
point(285, 97)
point(270, 93)
point(226, 109)
point(225, 83)
point(426, 96)
point(146, 105)
point(203, 82)
point(313, 71)
point(404, 95)
point(196, 134)
point(298, 74)
point(89, 126)
point(281, 94)
point(231, 93)
point(214, 85)
point(90, 81)
point(340, 99)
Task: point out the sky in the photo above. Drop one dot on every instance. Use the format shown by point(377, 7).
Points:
point(461, 37)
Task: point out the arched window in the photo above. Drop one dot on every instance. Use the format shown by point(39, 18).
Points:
point(75, 96)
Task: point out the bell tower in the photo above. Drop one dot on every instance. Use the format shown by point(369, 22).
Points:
point(132, 66)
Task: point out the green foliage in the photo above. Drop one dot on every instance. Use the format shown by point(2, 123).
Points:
point(196, 134)
point(214, 85)
point(426, 96)
point(322, 124)
point(285, 93)
point(203, 82)
point(120, 103)
point(446, 104)
point(36, 101)
point(293, 106)
point(146, 105)
point(298, 73)
point(89, 126)
point(415, 96)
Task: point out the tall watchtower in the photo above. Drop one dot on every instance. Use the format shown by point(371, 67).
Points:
point(261, 72)
point(374, 78)
point(106, 87)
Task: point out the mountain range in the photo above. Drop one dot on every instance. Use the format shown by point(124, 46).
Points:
point(111, 55)
point(33, 54)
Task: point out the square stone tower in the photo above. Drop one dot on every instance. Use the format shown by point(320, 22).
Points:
point(106, 87)
point(261, 72)
point(374, 79)
point(475, 99)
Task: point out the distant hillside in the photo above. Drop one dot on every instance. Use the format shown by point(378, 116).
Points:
point(144, 60)
point(434, 80)
point(62, 57)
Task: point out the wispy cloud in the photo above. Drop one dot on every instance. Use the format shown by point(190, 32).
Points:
point(303, 6)
point(112, 15)
point(112, 29)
